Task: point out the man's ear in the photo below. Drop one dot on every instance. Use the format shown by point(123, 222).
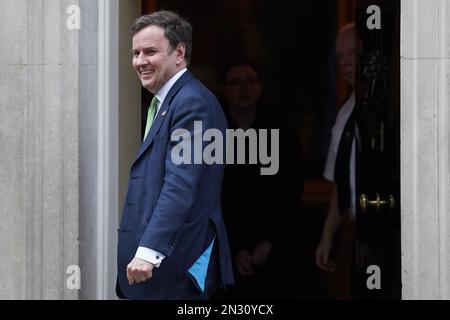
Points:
point(180, 51)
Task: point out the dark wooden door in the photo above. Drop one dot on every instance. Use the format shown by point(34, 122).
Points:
point(377, 246)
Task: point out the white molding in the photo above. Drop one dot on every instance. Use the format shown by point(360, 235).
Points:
point(107, 182)
point(443, 150)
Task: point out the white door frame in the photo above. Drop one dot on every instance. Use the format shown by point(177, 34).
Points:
point(425, 145)
point(108, 158)
point(119, 114)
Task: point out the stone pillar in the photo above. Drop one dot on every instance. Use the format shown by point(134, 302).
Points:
point(425, 88)
point(39, 153)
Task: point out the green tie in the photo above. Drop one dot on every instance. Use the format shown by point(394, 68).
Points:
point(151, 115)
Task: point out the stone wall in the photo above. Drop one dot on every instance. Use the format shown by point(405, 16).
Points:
point(39, 130)
point(425, 88)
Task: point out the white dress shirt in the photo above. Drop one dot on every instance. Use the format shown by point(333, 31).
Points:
point(336, 132)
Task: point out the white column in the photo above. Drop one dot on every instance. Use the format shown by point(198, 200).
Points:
point(425, 88)
point(107, 164)
point(110, 136)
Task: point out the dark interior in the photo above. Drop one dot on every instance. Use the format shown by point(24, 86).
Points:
point(293, 46)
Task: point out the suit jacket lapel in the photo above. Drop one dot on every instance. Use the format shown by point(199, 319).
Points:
point(161, 115)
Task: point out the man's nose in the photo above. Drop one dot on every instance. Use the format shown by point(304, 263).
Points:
point(140, 60)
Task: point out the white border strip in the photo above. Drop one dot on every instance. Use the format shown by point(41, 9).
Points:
point(443, 154)
point(107, 165)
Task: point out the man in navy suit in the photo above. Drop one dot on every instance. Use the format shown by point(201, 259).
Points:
point(172, 239)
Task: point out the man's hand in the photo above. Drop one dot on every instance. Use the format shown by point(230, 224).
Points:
point(244, 263)
point(261, 252)
point(139, 270)
point(323, 250)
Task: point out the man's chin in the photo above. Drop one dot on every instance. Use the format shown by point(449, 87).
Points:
point(147, 85)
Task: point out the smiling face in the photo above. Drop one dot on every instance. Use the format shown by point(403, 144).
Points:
point(154, 60)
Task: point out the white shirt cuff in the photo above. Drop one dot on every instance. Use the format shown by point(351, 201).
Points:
point(150, 255)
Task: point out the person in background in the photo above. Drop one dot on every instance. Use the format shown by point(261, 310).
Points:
point(340, 163)
point(261, 211)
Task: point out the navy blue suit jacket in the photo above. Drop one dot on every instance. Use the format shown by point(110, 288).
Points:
point(174, 209)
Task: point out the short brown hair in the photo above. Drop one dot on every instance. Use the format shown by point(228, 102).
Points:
point(176, 29)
